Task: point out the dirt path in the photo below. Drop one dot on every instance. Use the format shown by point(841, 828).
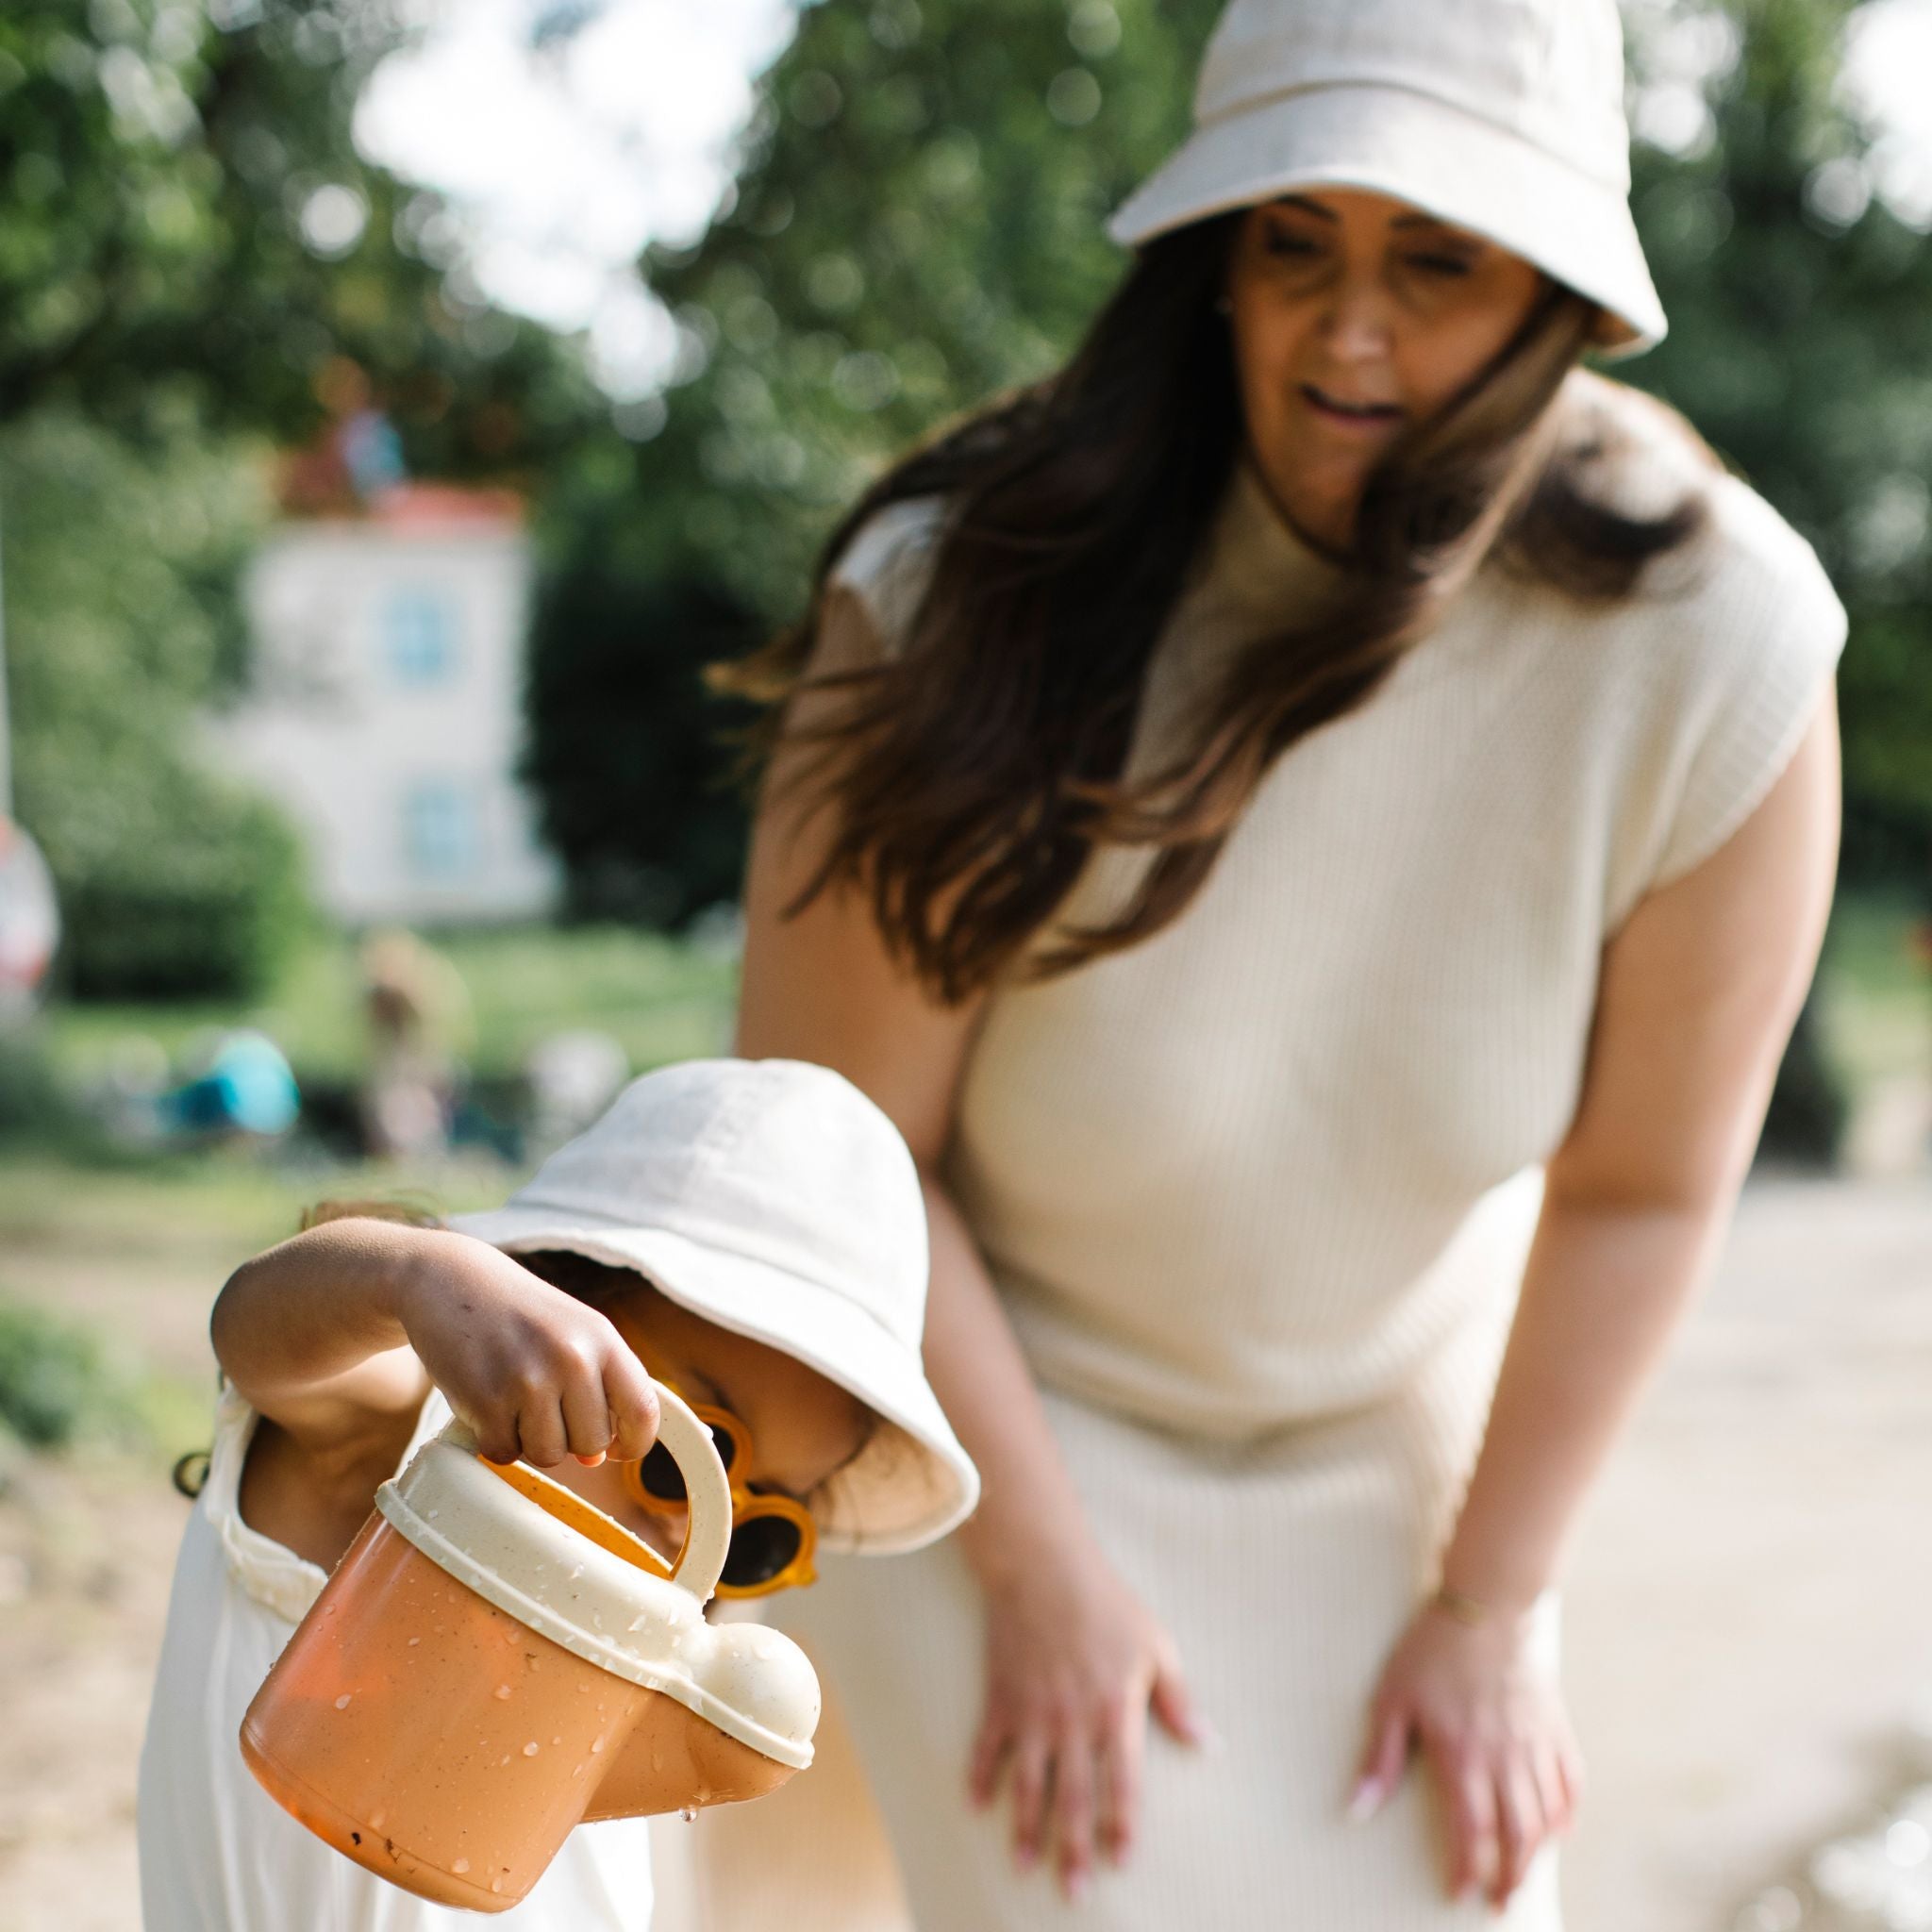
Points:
point(1747, 1626)
point(1748, 1631)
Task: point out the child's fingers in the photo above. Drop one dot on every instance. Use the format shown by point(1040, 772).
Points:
point(542, 1438)
point(496, 1439)
point(586, 1417)
point(632, 1401)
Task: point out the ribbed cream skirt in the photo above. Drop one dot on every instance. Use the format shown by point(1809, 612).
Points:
point(1285, 1571)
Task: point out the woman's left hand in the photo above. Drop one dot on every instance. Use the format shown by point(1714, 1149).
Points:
point(1495, 1735)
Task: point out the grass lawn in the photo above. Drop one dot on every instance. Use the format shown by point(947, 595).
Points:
point(140, 1247)
point(661, 999)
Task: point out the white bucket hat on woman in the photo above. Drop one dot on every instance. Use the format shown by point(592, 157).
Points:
point(772, 1198)
point(1504, 117)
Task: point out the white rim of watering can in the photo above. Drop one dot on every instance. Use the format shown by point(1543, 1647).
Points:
point(649, 1629)
point(707, 1517)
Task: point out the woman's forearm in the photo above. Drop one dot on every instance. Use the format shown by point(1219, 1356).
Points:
point(973, 1359)
point(1605, 1286)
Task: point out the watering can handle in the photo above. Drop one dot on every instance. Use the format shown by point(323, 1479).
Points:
point(708, 1522)
point(708, 1532)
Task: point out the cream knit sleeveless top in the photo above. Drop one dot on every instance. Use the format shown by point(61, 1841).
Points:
point(1261, 1167)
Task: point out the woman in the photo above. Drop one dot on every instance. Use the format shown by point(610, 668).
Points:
point(1315, 822)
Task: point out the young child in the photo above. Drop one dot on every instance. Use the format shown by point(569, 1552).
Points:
point(751, 1231)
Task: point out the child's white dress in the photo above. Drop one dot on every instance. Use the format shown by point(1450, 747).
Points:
point(217, 1853)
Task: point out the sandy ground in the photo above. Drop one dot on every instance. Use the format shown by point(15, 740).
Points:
point(1750, 1606)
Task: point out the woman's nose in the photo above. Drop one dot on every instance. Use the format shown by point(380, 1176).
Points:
point(1356, 322)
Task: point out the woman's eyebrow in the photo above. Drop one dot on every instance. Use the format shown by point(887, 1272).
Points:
point(1445, 229)
point(1306, 207)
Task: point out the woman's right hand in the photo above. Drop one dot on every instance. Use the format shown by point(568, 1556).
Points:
point(1074, 1664)
point(534, 1373)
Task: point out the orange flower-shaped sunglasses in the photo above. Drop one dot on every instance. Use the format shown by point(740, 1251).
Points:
point(773, 1538)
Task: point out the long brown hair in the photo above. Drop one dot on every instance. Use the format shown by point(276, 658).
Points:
point(976, 768)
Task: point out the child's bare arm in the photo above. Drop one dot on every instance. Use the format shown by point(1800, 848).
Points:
point(335, 1334)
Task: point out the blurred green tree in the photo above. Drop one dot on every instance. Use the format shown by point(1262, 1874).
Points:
point(189, 238)
point(119, 571)
point(1798, 297)
point(183, 209)
point(916, 224)
point(1799, 291)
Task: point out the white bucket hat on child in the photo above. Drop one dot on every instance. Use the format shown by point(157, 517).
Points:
point(772, 1198)
point(1504, 117)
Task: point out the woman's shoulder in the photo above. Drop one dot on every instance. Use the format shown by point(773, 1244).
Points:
point(1746, 559)
point(1722, 652)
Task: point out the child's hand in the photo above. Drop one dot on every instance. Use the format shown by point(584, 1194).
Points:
point(535, 1374)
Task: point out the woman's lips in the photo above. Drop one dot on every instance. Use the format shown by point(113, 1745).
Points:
point(1350, 415)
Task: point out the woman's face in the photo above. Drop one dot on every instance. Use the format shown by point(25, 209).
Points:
point(1355, 317)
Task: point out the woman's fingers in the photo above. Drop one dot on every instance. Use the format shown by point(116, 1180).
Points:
point(1172, 1703)
point(1379, 1770)
point(1520, 1827)
point(1569, 1764)
point(1032, 1756)
point(1072, 1778)
point(1546, 1767)
point(1122, 1753)
point(989, 1751)
point(1474, 1856)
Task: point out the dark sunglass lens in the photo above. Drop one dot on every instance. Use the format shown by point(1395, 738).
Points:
point(663, 1478)
point(761, 1546)
point(661, 1475)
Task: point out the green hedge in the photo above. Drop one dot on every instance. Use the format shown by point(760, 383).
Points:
point(178, 887)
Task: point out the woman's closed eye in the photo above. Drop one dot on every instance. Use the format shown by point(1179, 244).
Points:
point(1292, 237)
point(1451, 266)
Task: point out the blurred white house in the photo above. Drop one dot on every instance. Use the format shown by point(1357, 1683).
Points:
point(384, 712)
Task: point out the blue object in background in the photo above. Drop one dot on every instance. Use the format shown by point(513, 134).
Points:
point(249, 1087)
point(371, 453)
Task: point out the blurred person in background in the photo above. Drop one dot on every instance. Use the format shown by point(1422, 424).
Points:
point(416, 1010)
point(1316, 820)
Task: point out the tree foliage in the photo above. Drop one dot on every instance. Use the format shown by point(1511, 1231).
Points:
point(183, 209)
point(188, 239)
point(1799, 303)
point(123, 619)
point(916, 224)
